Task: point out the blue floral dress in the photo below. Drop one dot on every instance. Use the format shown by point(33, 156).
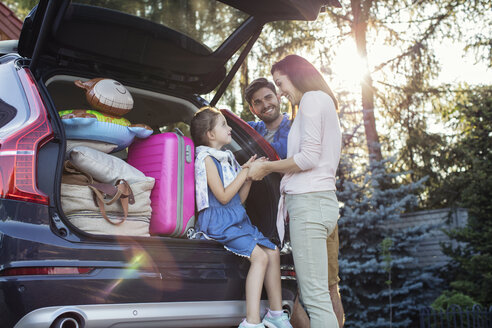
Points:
point(229, 224)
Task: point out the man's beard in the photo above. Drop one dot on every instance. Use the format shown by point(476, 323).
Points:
point(270, 118)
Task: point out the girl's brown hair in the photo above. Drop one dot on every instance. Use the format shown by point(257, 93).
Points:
point(203, 121)
point(303, 75)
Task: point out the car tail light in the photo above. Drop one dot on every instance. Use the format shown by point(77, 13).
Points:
point(36, 271)
point(18, 151)
point(265, 146)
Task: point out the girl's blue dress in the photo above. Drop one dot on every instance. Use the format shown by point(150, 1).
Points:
point(229, 224)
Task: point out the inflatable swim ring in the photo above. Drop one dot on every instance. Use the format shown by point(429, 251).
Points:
point(93, 125)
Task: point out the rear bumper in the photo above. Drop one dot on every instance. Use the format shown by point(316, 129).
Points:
point(173, 314)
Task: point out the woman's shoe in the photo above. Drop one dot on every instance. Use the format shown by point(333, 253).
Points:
point(281, 321)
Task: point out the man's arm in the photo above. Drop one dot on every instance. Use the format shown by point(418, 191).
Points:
point(280, 139)
point(280, 148)
point(252, 124)
point(280, 143)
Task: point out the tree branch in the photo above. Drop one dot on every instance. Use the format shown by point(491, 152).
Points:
point(430, 30)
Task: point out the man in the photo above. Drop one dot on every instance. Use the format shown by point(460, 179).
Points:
point(264, 103)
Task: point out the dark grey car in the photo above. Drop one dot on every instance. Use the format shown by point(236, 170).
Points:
point(167, 53)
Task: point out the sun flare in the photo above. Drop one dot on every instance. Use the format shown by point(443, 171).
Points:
point(349, 67)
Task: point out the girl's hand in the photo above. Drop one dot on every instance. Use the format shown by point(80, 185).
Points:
point(248, 163)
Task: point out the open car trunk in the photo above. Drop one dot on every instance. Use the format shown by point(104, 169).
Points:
point(166, 55)
point(164, 112)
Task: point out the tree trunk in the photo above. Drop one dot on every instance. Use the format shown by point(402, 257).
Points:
point(359, 28)
point(243, 83)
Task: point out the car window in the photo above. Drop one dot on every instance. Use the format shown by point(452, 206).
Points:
point(209, 22)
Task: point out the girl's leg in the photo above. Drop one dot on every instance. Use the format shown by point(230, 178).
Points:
point(272, 279)
point(254, 284)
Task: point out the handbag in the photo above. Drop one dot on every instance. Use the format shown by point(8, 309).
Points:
point(103, 193)
point(96, 207)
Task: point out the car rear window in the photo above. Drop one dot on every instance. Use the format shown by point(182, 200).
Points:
point(209, 22)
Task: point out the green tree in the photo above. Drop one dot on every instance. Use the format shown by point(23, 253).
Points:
point(448, 298)
point(469, 185)
point(386, 251)
point(20, 7)
point(400, 86)
point(381, 285)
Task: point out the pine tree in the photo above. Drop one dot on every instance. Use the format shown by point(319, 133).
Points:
point(469, 185)
point(373, 202)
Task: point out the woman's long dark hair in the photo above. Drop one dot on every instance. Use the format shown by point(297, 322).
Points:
point(303, 75)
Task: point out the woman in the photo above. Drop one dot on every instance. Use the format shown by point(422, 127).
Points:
point(308, 185)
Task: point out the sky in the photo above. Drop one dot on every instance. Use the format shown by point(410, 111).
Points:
point(456, 66)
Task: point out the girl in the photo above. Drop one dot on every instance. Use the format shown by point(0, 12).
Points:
point(308, 185)
point(221, 188)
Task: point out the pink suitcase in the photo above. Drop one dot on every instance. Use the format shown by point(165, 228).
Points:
point(169, 158)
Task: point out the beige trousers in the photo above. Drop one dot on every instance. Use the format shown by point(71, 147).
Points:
point(313, 218)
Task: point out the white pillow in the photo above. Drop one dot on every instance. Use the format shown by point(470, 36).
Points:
point(104, 167)
point(98, 145)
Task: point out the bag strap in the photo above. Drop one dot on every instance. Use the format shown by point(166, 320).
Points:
point(120, 191)
point(73, 175)
point(131, 197)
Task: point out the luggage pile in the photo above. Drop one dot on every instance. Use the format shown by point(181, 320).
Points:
point(153, 193)
point(102, 194)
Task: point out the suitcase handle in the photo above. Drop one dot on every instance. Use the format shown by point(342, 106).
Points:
point(179, 132)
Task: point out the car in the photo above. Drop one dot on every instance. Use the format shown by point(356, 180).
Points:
point(168, 54)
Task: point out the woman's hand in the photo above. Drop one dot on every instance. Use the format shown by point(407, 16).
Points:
point(248, 163)
point(262, 167)
point(258, 170)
